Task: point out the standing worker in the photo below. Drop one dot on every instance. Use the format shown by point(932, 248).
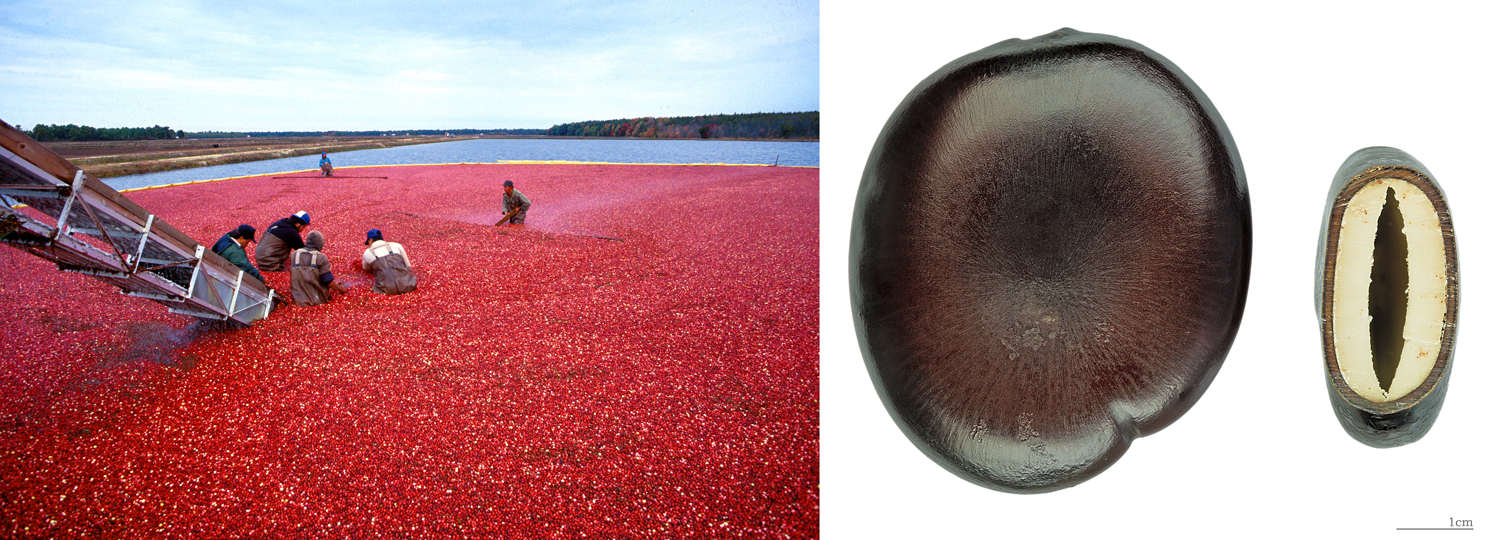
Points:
point(326, 165)
point(516, 205)
point(389, 263)
point(280, 239)
point(231, 247)
point(312, 275)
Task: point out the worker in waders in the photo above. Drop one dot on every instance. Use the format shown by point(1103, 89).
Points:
point(231, 247)
point(280, 239)
point(516, 205)
point(389, 263)
point(326, 165)
point(312, 275)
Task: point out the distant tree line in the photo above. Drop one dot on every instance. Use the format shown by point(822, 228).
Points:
point(799, 125)
point(380, 133)
point(71, 132)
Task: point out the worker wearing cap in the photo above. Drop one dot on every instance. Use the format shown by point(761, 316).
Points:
point(326, 165)
point(281, 238)
point(231, 247)
point(516, 205)
point(312, 275)
point(389, 263)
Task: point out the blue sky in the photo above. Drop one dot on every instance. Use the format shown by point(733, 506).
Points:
point(272, 65)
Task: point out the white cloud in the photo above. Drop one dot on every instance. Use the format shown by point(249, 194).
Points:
point(275, 66)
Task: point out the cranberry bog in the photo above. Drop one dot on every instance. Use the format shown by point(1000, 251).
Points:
point(638, 359)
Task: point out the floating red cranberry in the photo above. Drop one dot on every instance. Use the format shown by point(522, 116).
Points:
point(639, 359)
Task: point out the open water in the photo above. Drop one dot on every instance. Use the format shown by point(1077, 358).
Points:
point(492, 150)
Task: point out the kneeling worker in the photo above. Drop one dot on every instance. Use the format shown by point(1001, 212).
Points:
point(280, 239)
point(231, 247)
point(389, 263)
point(312, 275)
point(326, 165)
point(516, 205)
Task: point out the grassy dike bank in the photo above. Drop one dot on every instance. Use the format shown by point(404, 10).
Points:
point(125, 158)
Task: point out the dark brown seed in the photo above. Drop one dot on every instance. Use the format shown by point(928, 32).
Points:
point(1049, 257)
point(1387, 297)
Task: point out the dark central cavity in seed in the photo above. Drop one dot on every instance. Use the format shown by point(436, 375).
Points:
point(1388, 283)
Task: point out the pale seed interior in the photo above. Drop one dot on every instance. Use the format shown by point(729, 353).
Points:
point(1389, 290)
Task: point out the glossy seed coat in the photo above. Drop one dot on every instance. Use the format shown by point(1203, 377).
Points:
point(1049, 257)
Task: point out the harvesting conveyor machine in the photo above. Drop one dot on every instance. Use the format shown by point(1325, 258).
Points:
point(96, 231)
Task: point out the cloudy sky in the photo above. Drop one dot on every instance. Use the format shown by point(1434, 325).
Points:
point(273, 65)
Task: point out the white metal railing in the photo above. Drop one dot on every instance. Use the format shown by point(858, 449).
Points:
point(87, 227)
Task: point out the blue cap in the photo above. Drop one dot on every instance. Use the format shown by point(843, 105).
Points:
point(244, 231)
point(372, 236)
point(509, 183)
point(303, 217)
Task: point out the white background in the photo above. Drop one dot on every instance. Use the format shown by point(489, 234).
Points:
point(1301, 87)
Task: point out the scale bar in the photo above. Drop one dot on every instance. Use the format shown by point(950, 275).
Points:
point(1434, 528)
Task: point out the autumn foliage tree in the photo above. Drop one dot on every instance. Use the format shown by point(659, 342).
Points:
point(800, 126)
